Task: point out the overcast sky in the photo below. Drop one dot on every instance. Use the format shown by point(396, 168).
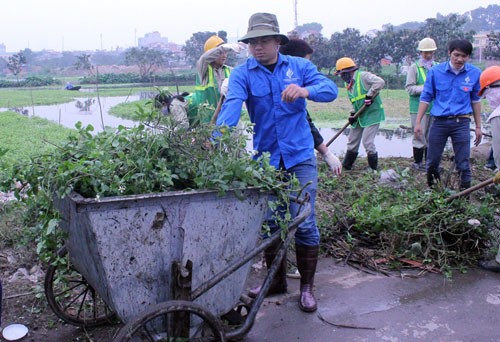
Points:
point(91, 24)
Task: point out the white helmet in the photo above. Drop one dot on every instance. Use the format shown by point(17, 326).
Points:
point(427, 44)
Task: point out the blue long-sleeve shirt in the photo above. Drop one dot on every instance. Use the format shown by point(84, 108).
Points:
point(280, 128)
point(453, 94)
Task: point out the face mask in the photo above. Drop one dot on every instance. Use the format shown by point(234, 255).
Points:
point(426, 63)
point(346, 77)
point(492, 95)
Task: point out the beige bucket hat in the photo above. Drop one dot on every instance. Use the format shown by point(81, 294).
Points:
point(263, 25)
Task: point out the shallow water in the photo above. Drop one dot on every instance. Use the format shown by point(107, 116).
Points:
point(389, 142)
point(85, 110)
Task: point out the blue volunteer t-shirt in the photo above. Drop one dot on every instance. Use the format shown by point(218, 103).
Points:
point(453, 94)
point(280, 128)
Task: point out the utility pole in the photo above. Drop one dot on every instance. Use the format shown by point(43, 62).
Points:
point(296, 22)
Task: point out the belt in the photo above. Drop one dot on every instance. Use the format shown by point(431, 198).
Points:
point(452, 117)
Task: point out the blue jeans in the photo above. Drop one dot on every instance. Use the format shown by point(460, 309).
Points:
point(307, 233)
point(459, 131)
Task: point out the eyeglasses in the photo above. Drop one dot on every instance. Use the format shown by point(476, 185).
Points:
point(260, 41)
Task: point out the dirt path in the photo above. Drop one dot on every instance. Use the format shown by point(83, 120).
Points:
point(24, 302)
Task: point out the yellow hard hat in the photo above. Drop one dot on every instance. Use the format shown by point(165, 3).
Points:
point(345, 64)
point(212, 42)
point(427, 44)
point(488, 77)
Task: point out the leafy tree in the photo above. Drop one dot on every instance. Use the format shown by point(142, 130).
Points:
point(194, 46)
point(146, 59)
point(398, 45)
point(29, 56)
point(492, 51)
point(322, 56)
point(308, 29)
point(443, 31)
point(349, 43)
point(222, 35)
point(83, 63)
point(16, 64)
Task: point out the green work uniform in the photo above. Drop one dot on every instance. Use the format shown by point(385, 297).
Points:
point(371, 115)
point(207, 95)
point(415, 99)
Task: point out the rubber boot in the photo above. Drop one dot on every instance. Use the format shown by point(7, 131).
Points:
point(464, 185)
point(373, 160)
point(349, 159)
point(307, 259)
point(432, 177)
point(418, 155)
point(278, 285)
point(490, 164)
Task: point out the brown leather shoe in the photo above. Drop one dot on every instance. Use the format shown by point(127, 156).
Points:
point(307, 301)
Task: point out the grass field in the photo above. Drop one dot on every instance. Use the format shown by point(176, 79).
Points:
point(22, 136)
point(26, 97)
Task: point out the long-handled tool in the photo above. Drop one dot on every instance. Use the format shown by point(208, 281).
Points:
point(495, 179)
point(217, 109)
point(358, 113)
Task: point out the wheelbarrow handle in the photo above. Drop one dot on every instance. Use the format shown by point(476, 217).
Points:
point(243, 329)
point(304, 212)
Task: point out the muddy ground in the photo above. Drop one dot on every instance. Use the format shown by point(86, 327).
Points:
point(24, 301)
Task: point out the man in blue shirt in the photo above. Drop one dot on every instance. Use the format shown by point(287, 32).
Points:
point(275, 88)
point(454, 87)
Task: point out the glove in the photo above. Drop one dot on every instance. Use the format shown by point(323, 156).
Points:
point(368, 100)
point(352, 120)
point(333, 163)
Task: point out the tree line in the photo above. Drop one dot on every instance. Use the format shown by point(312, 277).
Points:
point(399, 46)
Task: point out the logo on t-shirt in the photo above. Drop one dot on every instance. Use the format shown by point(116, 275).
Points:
point(289, 77)
point(466, 84)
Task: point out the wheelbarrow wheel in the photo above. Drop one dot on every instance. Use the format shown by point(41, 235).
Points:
point(72, 298)
point(175, 320)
